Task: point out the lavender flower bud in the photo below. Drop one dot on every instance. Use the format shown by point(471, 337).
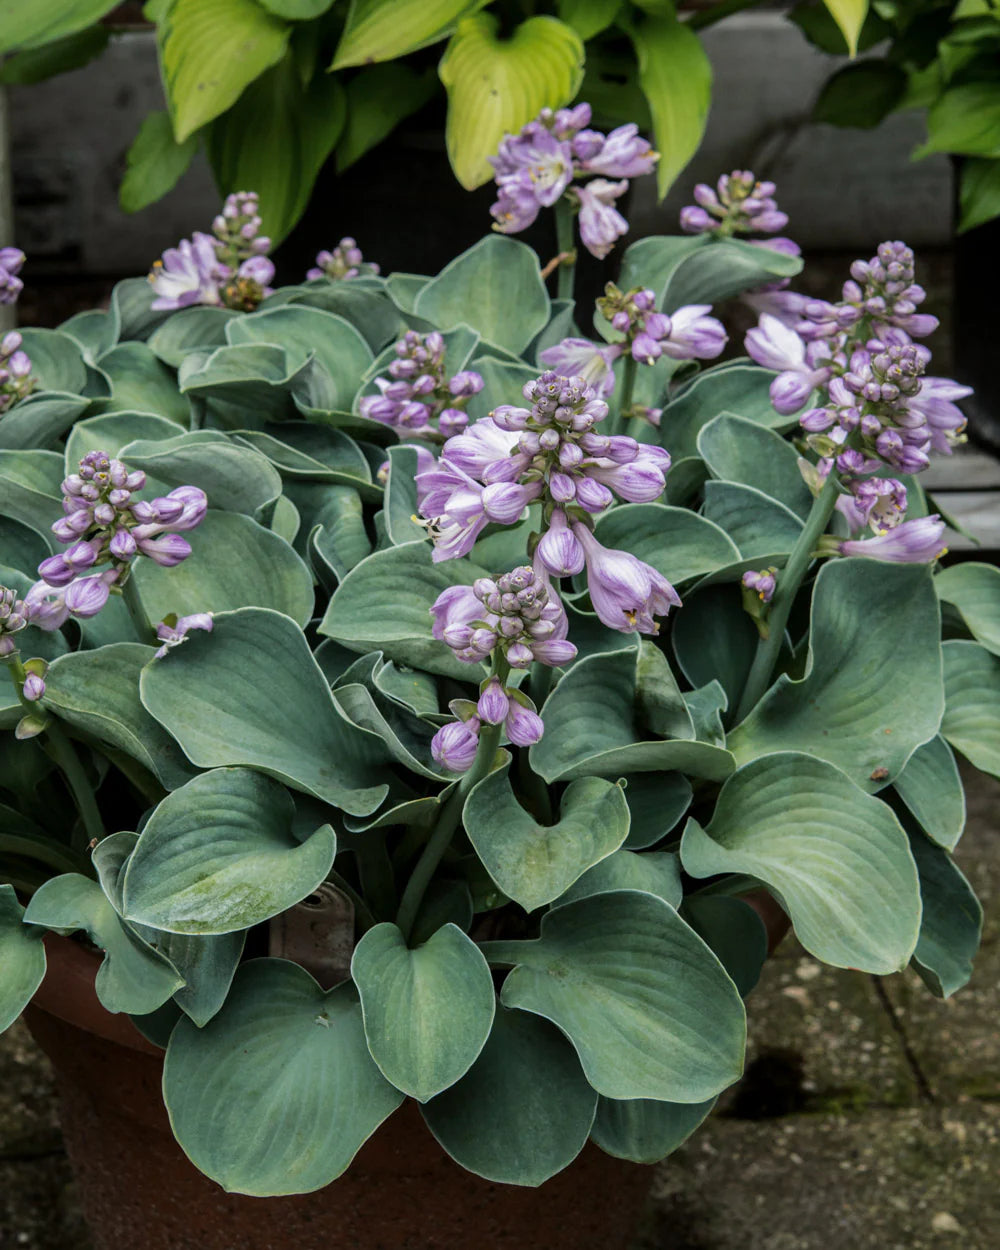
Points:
point(523, 725)
point(166, 550)
point(88, 595)
point(493, 703)
point(34, 687)
point(763, 583)
point(454, 746)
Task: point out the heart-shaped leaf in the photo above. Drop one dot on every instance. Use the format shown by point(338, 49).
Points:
point(524, 1109)
point(872, 691)
point(427, 1011)
point(56, 360)
point(931, 787)
point(219, 855)
point(714, 639)
point(952, 921)
point(534, 863)
point(757, 524)
point(250, 693)
point(972, 704)
point(740, 389)
point(280, 1052)
point(382, 30)
point(31, 489)
point(189, 330)
point(41, 419)
point(655, 872)
point(22, 959)
point(974, 589)
point(644, 1130)
point(235, 478)
point(656, 802)
point(678, 543)
point(141, 382)
point(836, 857)
point(649, 1008)
point(738, 450)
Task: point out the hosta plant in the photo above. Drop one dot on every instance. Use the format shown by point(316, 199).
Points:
point(538, 640)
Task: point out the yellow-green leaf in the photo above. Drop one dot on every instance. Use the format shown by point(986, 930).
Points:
point(496, 85)
point(381, 30)
point(210, 51)
point(850, 17)
point(676, 78)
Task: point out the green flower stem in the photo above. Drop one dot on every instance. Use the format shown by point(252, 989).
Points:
point(789, 581)
point(566, 269)
point(451, 816)
point(617, 420)
point(136, 611)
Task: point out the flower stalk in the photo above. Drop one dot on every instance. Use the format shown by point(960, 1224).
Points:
point(566, 266)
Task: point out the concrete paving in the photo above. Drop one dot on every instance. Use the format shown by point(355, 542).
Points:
point(868, 1118)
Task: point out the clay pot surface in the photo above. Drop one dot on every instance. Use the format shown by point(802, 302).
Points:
point(402, 1192)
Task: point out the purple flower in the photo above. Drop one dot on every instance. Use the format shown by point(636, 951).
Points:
point(773, 345)
point(189, 273)
point(693, 334)
point(172, 635)
point(11, 260)
point(912, 542)
point(739, 204)
point(934, 402)
point(493, 704)
point(640, 480)
point(876, 501)
point(454, 746)
point(87, 595)
point(583, 359)
point(559, 549)
point(344, 262)
point(623, 154)
point(166, 550)
point(601, 224)
point(523, 724)
point(626, 592)
point(45, 607)
point(34, 687)
point(763, 583)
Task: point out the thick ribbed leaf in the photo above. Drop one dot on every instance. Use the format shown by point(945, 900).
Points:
point(534, 863)
point(56, 360)
point(649, 1008)
point(234, 477)
point(111, 432)
point(757, 523)
point(427, 1011)
point(210, 51)
point(656, 802)
point(277, 1093)
point(117, 717)
point(974, 589)
point(30, 489)
point(739, 450)
point(384, 604)
point(952, 921)
point(382, 30)
point(22, 959)
point(714, 639)
point(972, 704)
point(836, 858)
point(676, 79)
point(675, 541)
point(739, 389)
point(482, 286)
point(30, 23)
point(191, 329)
point(655, 872)
point(931, 787)
point(41, 419)
point(523, 1111)
point(723, 269)
point(644, 1130)
point(234, 563)
point(401, 498)
point(132, 977)
point(250, 693)
point(141, 382)
point(22, 548)
point(219, 855)
point(872, 690)
point(495, 85)
point(591, 729)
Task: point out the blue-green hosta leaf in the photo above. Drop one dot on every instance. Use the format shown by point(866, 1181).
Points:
point(656, 802)
point(278, 1092)
point(952, 921)
point(714, 639)
point(41, 419)
point(648, 1007)
point(206, 962)
point(382, 30)
point(94, 332)
point(835, 857)
point(974, 589)
point(132, 315)
point(384, 604)
point(250, 693)
point(675, 541)
point(111, 432)
point(705, 707)
point(31, 489)
point(401, 498)
point(141, 382)
point(480, 287)
point(652, 262)
point(234, 563)
point(115, 716)
point(22, 959)
point(734, 931)
point(591, 730)
point(534, 863)
point(655, 872)
point(524, 1109)
point(303, 332)
point(219, 855)
point(371, 312)
point(132, 977)
point(234, 477)
point(56, 360)
point(496, 85)
point(333, 524)
point(502, 383)
point(23, 548)
point(972, 704)
point(254, 378)
point(723, 269)
point(743, 390)
point(757, 523)
point(872, 690)
point(427, 1011)
point(189, 330)
point(644, 1130)
point(931, 787)
point(342, 463)
point(210, 51)
point(739, 450)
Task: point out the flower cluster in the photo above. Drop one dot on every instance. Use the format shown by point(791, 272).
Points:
point(538, 166)
point(15, 371)
point(417, 396)
point(229, 267)
point(455, 744)
point(553, 454)
point(739, 204)
point(13, 618)
point(345, 261)
point(11, 286)
point(688, 334)
point(761, 582)
point(104, 524)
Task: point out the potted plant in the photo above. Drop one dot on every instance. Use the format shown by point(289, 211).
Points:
point(404, 694)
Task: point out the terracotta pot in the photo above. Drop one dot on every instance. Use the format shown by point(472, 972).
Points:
point(402, 1192)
